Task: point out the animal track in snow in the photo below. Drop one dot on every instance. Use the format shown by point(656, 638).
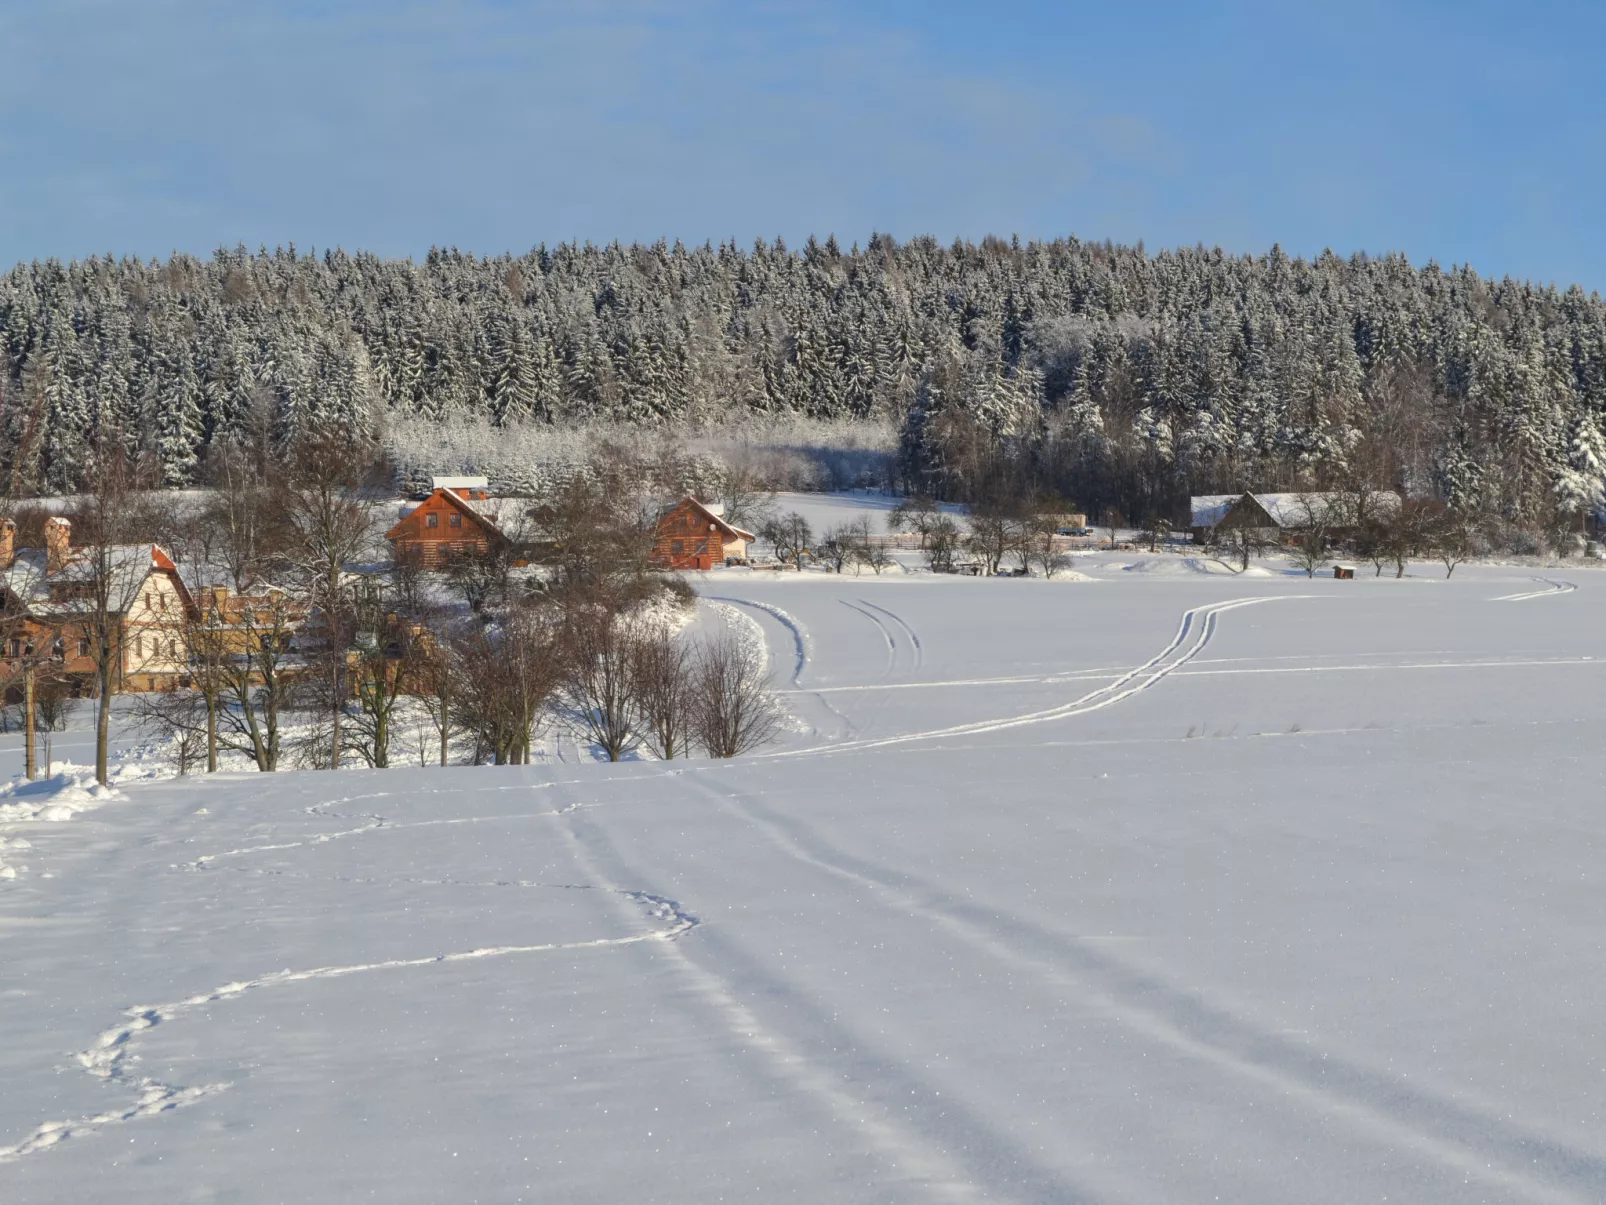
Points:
point(111, 1056)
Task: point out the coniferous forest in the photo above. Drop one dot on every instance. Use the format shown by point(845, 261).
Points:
point(1120, 380)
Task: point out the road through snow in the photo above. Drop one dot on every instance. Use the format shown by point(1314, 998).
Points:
point(1087, 934)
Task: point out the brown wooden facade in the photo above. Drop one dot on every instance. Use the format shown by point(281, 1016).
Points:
point(444, 526)
point(691, 536)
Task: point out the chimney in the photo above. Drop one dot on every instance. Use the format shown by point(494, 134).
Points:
point(58, 541)
point(8, 543)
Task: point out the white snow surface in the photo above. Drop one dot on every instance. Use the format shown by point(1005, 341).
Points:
point(1163, 889)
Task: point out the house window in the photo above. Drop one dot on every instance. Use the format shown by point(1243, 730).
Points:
point(454, 521)
point(432, 520)
point(702, 547)
point(16, 648)
point(139, 646)
point(676, 547)
point(58, 650)
point(83, 648)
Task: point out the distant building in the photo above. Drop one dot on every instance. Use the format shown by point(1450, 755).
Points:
point(1065, 523)
point(695, 535)
point(49, 594)
point(453, 521)
point(1288, 512)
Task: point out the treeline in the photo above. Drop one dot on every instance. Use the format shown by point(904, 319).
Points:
point(1112, 377)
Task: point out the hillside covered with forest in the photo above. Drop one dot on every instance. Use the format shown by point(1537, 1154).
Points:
point(1106, 374)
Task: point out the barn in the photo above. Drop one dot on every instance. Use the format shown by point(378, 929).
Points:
point(1287, 512)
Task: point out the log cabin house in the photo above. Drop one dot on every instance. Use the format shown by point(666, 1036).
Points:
point(451, 522)
point(695, 535)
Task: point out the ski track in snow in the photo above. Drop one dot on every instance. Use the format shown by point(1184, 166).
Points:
point(1134, 681)
point(108, 1059)
point(749, 634)
point(803, 644)
point(884, 1132)
point(801, 639)
point(1552, 588)
point(886, 636)
point(1471, 1140)
point(918, 649)
point(1452, 1131)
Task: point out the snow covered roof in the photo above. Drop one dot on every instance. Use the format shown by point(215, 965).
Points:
point(1210, 509)
point(1289, 509)
point(128, 566)
point(459, 483)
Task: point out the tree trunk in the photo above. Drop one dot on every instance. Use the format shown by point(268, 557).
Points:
point(28, 725)
point(335, 717)
point(103, 718)
point(211, 732)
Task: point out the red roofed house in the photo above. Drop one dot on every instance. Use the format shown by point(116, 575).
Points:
point(447, 524)
point(694, 535)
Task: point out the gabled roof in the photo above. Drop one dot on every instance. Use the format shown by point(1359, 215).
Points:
point(1285, 509)
point(127, 565)
point(713, 516)
point(1210, 509)
point(480, 517)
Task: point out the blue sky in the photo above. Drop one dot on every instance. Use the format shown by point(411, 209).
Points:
point(1464, 132)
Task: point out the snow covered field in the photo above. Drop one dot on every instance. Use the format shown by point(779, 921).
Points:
point(1165, 886)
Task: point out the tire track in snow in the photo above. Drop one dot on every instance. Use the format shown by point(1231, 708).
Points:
point(1552, 588)
point(1200, 620)
point(108, 1059)
point(1389, 1110)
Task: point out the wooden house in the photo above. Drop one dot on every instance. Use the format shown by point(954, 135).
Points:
point(452, 522)
point(695, 535)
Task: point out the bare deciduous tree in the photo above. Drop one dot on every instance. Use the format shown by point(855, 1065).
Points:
point(1312, 535)
point(600, 680)
point(918, 514)
point(662, 678)
point(1239, 542)
point(327, 510)
point(1458, 534)
point(106, 577)
point(503, 677)
point(735, 709)
point(941, 544)
point(994, 534)
point(790, 536)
